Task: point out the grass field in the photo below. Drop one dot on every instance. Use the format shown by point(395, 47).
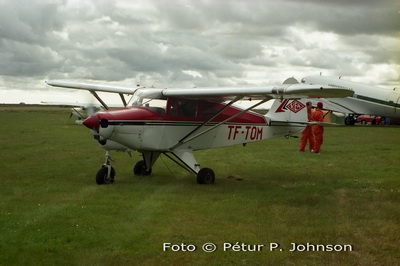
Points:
point(52, 212)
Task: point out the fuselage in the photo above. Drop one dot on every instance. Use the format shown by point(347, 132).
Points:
point(367, 99)
point(161, 128)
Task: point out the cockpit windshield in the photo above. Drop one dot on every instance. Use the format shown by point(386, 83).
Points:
point(156, 105)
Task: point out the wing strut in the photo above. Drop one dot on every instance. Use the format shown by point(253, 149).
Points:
point(188, 137)
point(123, 99)
point(99, 99)
point(80, 115)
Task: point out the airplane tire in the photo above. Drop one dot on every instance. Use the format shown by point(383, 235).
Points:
point(205, 176)
point(102, 177)
point(140, 169)
point(350, 120)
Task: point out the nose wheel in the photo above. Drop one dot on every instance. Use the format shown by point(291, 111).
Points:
point(106, 173)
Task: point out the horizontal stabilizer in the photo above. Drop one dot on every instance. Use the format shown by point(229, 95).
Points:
point(275, 122)
point(323, 124)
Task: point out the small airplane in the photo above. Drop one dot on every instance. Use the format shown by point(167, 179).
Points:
point(367, 100)
point(177, 121)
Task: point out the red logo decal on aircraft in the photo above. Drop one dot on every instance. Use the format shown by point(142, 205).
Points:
point(282, 107)
point(295, 106)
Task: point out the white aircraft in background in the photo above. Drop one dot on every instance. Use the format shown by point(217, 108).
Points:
point(177, 121)
point(367, 100)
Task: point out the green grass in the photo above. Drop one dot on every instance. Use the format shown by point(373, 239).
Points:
point(52, 212)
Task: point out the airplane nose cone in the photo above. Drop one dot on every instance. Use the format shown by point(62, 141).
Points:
point(92, 122)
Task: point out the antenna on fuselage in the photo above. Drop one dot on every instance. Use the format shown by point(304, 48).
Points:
point(152, 85)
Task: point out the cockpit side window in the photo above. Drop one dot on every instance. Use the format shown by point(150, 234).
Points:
point(208, 109)
point(183, 108)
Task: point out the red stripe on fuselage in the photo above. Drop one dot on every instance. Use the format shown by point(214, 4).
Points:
point(144, 114)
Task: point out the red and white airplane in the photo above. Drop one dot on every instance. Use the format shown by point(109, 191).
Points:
point(176, 121)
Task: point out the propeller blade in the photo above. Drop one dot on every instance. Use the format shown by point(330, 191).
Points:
point(90, 110)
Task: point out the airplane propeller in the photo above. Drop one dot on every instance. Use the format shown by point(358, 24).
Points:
point(90, 109)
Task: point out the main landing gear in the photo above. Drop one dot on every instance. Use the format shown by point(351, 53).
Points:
point(140, 169)
point(205, 176)
point(187, 161)
point(350, 120)
point(183, 158)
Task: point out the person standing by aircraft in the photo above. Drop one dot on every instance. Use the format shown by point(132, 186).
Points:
point(307, 134)
point(318, 116)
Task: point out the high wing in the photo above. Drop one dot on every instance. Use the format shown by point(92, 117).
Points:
point(262, 92)
point(91, 86)
point(213, 93)
point(70, 104)
point(94, 88)
point(87, 104)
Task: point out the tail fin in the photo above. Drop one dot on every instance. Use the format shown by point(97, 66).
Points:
point(288, 111)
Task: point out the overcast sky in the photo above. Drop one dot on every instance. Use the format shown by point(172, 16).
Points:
point(190, 43)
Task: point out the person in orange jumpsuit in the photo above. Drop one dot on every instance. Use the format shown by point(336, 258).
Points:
point(318, 116)
point(307, 134)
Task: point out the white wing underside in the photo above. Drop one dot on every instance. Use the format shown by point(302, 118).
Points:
point(91, 87)
point(215, 93)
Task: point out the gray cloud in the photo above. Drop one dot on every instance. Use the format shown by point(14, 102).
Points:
point(195, 43)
